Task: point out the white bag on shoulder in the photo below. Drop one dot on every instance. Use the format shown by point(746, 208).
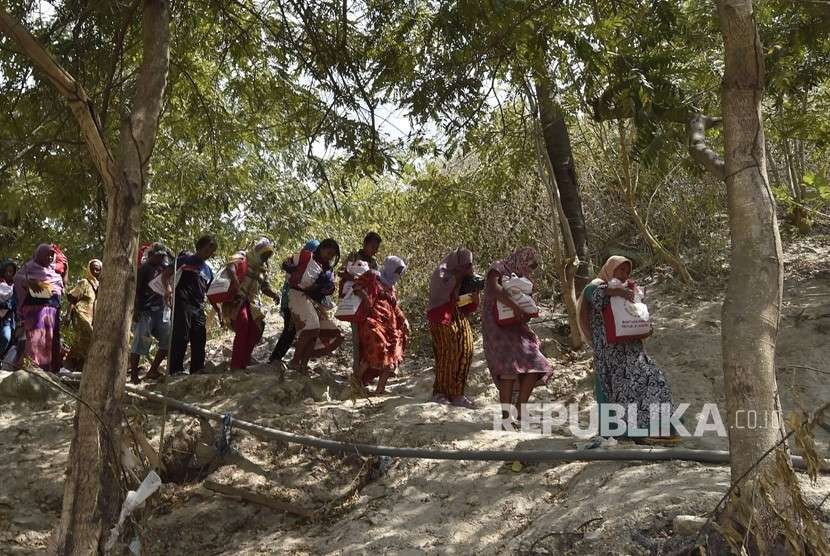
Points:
point(219, 290)
point(519, 290)
point(312, 272)
point(6, 292)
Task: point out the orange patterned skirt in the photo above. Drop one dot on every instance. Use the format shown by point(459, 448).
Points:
point(382, 338)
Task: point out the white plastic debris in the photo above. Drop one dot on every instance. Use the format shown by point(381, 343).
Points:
point(134, 500)
point(596, 442)
point(609, 442)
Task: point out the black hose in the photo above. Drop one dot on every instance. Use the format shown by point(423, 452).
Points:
point(628, 454)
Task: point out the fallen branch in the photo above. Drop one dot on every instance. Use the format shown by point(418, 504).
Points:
point(146, 448)
point(257, 498)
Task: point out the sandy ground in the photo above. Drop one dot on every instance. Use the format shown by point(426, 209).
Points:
point(366, 505)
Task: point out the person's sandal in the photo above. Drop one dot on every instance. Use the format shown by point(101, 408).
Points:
point(462, 401)
point(440, 398)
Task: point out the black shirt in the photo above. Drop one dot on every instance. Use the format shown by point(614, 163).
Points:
point(195, 280)
point(146, 299)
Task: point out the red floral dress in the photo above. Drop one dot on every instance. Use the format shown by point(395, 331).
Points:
point(382, 335)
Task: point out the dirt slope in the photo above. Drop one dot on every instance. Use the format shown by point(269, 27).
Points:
point(417, 506)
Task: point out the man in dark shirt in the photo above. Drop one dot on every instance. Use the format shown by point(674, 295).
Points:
point(371, 246)
point(151, 315)
point(189, 320)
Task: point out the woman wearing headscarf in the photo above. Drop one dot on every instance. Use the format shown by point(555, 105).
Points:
point(288, 331)
point(38, 289)
point(383, 334)
point(624, 374)
point(82, 299)
point(8, 305)
point(249, 276)
point(452, 336)
point(513, 353)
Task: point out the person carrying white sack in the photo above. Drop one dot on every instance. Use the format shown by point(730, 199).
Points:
point(512, 349)
point(519, 290)
point(624, 373)
point(310, 285)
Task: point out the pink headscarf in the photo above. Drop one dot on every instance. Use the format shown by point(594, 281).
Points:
point(517, 263)
point(442, 284)
point(37, 268)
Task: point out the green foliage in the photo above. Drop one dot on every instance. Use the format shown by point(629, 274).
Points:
point(273, 117)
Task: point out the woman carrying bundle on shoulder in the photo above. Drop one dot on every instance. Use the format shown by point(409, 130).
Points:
point(624, 374)
point(512, 349)
point(383, 332)
point(39, 288)
point(249, 275)
point(311, 283)
point(452, 335)
point(288, 333)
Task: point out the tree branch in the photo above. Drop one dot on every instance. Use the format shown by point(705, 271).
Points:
point(75, 95)
point(138, 134)
point(699, 151)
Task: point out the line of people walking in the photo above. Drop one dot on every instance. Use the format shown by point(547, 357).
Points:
point(172, 294)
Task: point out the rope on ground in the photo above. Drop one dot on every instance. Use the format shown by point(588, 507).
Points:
point(268, 433)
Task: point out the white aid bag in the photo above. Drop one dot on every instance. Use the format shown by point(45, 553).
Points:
point(626, 321)
point(519, 290)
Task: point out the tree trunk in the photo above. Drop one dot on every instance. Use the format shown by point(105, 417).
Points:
point(558, 146)
point(752, 306)
point(95, 488)
point(795, 177)
point(566, 262)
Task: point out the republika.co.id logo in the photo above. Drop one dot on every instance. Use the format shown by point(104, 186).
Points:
point(632, 420)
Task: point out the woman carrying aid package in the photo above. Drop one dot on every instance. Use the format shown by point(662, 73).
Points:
point(311, 282)
point(512, 350)
point(452, 335)
point(249, 275)
point(383, 334)
point(624, 374)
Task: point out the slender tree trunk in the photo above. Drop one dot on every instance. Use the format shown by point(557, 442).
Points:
point(566, 261)
point(752, 306)
point(558, 146)
point(94, 488)
point(795, 177)
point(630, 192)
